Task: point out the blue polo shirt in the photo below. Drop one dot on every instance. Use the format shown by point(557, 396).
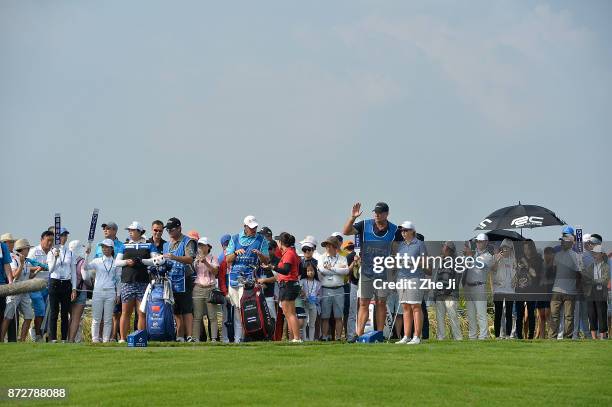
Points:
point(245, 240)
point(119, 248)
point(6, 259)
point(414, 248)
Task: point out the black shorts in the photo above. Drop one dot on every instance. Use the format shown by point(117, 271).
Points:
point(301, 313)
point(183, 302)
point(288, 290)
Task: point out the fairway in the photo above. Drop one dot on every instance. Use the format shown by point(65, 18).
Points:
point(434, 373)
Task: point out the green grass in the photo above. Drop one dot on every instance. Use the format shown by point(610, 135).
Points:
point(434, 373)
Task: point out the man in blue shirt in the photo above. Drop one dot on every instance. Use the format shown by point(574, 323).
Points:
point(5, 274)
point(110, 232)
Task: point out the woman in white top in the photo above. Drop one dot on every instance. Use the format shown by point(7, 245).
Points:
point(503, 270)
point(106, 290)
point(62, 285)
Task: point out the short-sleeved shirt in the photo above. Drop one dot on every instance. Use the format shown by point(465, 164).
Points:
point(245, 241)
point(204, 274)
point(191, 249)
point(119, 248)
point(289, 257)
point(160, 246)
point(6, 259)
point(25, 273)
point(566, 264)
point(415, 248)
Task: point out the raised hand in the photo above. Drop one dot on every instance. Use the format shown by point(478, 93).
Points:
point(356, 211)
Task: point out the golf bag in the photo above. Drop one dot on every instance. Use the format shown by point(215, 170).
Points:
point(257, 323)
point(158, 303)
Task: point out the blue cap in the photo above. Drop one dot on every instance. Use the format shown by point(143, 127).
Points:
point(568, 230)
point(225, 239)
point(64, 230)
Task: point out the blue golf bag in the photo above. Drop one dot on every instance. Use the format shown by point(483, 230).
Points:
point(159, 310)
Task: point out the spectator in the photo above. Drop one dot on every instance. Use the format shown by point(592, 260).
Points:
point(245, 253)
point(62, 285)
point(546, 278)
point(78, 305)
point(133, 261)
point(289, 285)
point(564, 288)
point(106, 291)
point(353, 277)
point(9, 241)
point(6, 276)
point(157, 231)
point(20, 271)
point(411, 295)
point(475, 282)
point(447, 298)
point(332, 268)
point(311, 287)
point(267, 280)
point(503, 269)
point(529, 267)
point(227, 327)
point(181, 251)
point(207, 268)
point(110, 232)
point(595, 284)
point(39, 298)
point(377, 236)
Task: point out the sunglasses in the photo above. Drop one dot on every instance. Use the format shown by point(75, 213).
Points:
point(307, 249)
point(158, 230)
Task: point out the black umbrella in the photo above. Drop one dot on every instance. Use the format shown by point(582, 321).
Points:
point(519, 217)
point(500, 234)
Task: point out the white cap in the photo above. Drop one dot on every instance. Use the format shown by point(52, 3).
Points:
point(586, 237)
point(482, 237)
point(309, 239)
point(597, 249)
point(336, 234)
point(135, 226)
point(107, 243)
point(204, 240)
point(308, 244)
point(408, 225)
point(251, 222)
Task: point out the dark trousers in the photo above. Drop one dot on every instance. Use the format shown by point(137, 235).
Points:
point(59, 296)
point(520, 315)
point(598, 315)
point(499, 306)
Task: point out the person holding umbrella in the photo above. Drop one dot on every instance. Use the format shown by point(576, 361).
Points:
point(503, 268)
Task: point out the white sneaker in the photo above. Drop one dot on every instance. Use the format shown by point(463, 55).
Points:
point(180, 339)
point(121, 341)
point(214, 340)
point(296, 341)
point(402, 341)
point(53, 340)
point(190, 339)
point(415, 341)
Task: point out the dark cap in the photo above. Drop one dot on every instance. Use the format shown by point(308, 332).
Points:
point(110, 225)
point(381, 207)
point(266, 231)
point(332, 240)
point(172, 223)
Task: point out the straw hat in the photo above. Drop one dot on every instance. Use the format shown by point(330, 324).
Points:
point(7, 237)
point(22, 244)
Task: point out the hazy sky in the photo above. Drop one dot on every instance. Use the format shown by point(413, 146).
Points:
point(291, 111)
